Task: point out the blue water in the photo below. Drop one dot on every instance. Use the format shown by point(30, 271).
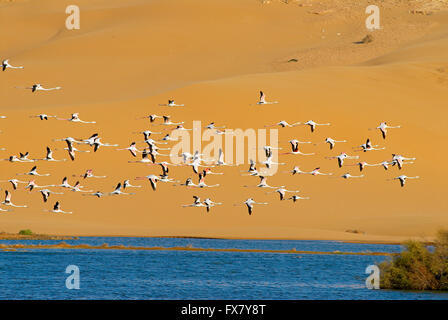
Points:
point(134, 274)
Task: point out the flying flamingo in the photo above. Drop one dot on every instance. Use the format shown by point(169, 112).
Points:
point(207, 171)
point(342, 157)
point(69, 141)
point(252, 168)
point(65, 184)
point(164, 165)
point(194, 157)
point(152, 180)
point(268, 150)
point(151, 117)
point(295, 170)
point(348, 175)
point(24, 157)
point(14, 182)
point(386, 164)
point(368, 146)
point(153, 143)
point(188, 183)
point(295, 198)
point(98, 144)
point(313, 124)
point(202, 183)
point(220, 161)
point(269, 162)
point(209, 204)
point(145, 158)
point(43, 116)
point(90, 141)
point(37, 87)
point(383, 128)
point(364, 164)
point(89, 174)
point(32, 184)
point(8, 202)
point(186, 156)
point(399, 160)
point(71, 152)
point(97, 194)
point(153, 153)
point(57, 209)
point(171, 103)
point(165, 178)
point(148, 133)
point(222, 133)
point(127, 184)
point(196, 203)
point(250, 204)
point(195, 164)
point(75, 118)
point(284, 124)
point(316, 172)
point(118, 191)
point(181, 128)
point(49, 157)
point(212, 126)
point(33, 172)
point(77, 188)
point(263, 99)
point(168, 138)
point(70, 147)
point(46, 194)
point(13, 159)
point(167, 121)
point(282, 192)
point(5, 64)
point(332, 142)
point(403, 178)
point(263, 184)
point(295, 148)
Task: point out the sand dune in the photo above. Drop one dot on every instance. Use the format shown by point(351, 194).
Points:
point(214, 57)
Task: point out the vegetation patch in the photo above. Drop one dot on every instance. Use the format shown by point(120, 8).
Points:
point(26, 232)
point(418, 267)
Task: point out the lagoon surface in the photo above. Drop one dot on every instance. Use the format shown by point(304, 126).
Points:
point(139, 274)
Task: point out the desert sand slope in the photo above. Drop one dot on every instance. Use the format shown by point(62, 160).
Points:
point(136, 48)
point(116, 70)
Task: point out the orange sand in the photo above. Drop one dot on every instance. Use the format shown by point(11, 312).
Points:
point(214, 56)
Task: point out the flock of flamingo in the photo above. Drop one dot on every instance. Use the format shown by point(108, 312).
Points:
point(150, 154)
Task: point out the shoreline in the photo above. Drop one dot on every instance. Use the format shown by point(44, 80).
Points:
point(105, 246)
point(12, 236)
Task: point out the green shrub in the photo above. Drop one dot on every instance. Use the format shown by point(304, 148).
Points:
point(418, 267)
point(25, 232)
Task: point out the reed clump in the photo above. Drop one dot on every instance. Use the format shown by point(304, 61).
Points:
point(418, 267)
